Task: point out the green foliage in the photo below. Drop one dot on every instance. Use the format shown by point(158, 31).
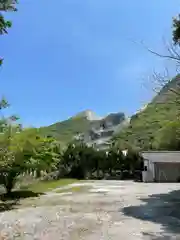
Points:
point(144, 128)
point(169, 137)
point(115, 160)
point(6, 5)
point(4, 103)
point(44, 186)
point(133, 160)
point(66, 130)
point(46, 155)
point(23, 150)
point(176, 30)
point(81, 161)
point(77, 160)
point(21, 154)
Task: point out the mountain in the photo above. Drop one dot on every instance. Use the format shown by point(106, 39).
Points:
point(140, 130)
point(89, 115)
point(82, 124)
point(145, 126)
point(65, 130)
point(102, 131)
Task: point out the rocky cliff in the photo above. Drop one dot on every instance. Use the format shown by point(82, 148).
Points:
point(101, 131)
point(86, 126)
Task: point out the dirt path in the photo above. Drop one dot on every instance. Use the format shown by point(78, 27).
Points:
point(106, 210)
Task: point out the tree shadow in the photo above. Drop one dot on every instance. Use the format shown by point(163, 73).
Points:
point(12, 201)
point(157, 236)
point(163, 209)
point(7, 206)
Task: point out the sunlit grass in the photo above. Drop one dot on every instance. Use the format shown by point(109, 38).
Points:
point(44, 186)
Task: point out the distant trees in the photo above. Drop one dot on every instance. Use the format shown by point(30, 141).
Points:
point(26, 150)
point(19, 154)
point(23, 150)
point(168, 138)
point(82, 162)
point(79, 160)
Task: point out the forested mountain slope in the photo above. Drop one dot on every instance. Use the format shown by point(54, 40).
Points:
point(145, 127)
point(81, 123)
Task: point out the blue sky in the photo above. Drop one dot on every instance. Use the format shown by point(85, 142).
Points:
point(65, 56)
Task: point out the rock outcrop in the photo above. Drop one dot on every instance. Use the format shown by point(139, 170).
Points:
point(101, 131)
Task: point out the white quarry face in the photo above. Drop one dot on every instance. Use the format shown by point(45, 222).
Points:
point(125, 152)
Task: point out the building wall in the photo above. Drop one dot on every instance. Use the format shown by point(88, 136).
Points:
point(162, 156)
point(149, 175)
point(167, 172)
point(161, 166)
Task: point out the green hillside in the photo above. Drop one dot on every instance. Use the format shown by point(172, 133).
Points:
point(65, 130)
point(81, 123)
point(145, 126)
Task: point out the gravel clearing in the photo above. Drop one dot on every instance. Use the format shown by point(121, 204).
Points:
point(108, 210)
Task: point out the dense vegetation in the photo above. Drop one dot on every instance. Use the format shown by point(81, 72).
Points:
point(47, 153)
point(23, 151)
point(65, 130)
point(146, 127)
point(26, 152)
point(80, 161)
point(158, 126)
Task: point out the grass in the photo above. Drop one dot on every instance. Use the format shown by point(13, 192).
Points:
point(73, 189)
point(44, 186)
point(29, 195)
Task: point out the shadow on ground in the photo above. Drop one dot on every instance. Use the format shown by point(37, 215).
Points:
point(12, 200)
point(163, 209)
point(157, 236)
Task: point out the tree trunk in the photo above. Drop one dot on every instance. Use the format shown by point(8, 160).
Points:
point(97, 171)
point(9, 182)
point(9, 187)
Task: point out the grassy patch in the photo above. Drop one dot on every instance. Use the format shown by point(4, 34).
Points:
point(44, 186)
point(74, 189)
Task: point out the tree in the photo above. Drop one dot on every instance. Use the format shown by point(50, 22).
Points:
point(6, 5)
point(11, 156)
point(133, 160)
point(168, 138)
point(81, 161)
point(176, 30)
point(172, 53)
point(20, 153)
point(12, 162)
point(23, 149)
point(75, 160)
point(46, 155)
point(111, 160)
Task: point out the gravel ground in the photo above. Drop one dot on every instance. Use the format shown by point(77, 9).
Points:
point(105, 210)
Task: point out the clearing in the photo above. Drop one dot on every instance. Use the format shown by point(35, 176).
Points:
point(95, 210)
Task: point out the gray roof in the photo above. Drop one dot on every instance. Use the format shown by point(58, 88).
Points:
point(162, 156)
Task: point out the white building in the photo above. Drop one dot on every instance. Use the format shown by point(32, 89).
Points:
point(161, 166)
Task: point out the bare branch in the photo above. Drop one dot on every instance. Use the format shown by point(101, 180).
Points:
point(171, 56)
